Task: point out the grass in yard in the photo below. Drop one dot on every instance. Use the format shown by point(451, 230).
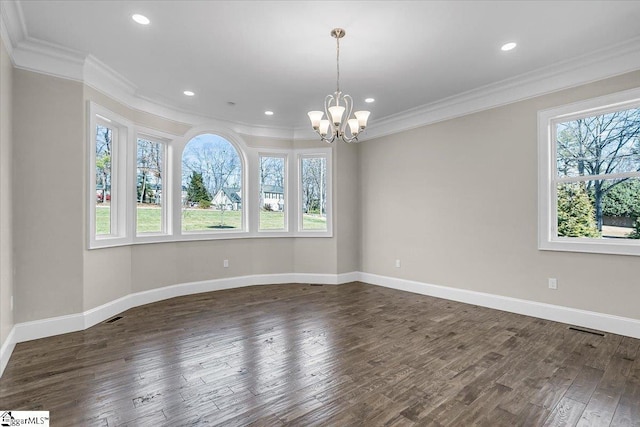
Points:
point(270, 220)
point(103, 219)
point(149, 220)
point(314, 222)
point(209, 219)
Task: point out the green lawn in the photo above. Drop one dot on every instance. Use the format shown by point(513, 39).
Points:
point(314, 222)
point(205, 220)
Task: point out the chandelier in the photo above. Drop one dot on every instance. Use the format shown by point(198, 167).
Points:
point(335, 106)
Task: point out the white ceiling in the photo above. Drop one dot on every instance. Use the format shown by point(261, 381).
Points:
point(279, 56)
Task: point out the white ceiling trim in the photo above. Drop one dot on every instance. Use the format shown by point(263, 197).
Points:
point(595, 66)
point(109, 80)
point(42, 57)
point(4, 35)
point(12, 26)
point(47, 58)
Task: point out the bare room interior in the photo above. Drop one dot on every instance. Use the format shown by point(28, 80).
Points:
point(269, 213)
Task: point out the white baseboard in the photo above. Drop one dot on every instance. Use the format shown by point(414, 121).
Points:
point(587, 319)
point(7, 348)
point(27, 331)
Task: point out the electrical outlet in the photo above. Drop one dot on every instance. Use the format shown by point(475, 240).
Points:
point(11, 302)
point(397, 263)
point(553, 283)
point(225, 263)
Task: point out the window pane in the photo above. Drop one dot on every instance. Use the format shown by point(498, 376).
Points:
point(211, 185)
point(607, 209)
point(603, 144)
point(104, 145)
point(272, 201)
point(149, 186)
point(314, 193)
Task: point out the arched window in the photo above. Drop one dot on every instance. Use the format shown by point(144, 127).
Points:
point(212, 196)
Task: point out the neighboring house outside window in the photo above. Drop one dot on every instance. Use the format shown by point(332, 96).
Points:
point(212, 174)
point(144, 186)
point(272, 204)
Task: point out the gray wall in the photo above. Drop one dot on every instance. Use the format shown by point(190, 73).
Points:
point(456, 202)
point(48, 188)
point(57, 275)
point(6, 229)
point(432, 197)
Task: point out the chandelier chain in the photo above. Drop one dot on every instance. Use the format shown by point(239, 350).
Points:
point(338, 63)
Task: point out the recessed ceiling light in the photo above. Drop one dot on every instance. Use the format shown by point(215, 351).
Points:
point(268, 113)
point(508, 46)
point(140, 19)
point(369, 100)
point(188, 93)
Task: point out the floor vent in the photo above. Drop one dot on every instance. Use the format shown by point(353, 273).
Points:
point(586, 331)
point(315, 284)
point(113, 319)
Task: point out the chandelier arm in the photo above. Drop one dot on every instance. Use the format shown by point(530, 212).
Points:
point(324, 138)
point(328, 140)
point(348, 102)
point(348, 140)
point(327, 103)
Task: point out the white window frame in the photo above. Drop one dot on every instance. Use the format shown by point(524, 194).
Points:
point(325, 153)
point(124, 184)
point(179, 233)
point(119, 180)
point(548, 178)
point(164, 140)
point(287, 202)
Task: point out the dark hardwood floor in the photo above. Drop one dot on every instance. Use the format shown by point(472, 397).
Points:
point(345, 355)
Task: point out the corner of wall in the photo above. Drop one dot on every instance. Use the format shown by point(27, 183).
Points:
point(6, 219)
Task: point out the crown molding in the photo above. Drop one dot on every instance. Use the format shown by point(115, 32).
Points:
point(4, 36)
point(164, 109)
point(597, 65)
point(110, 81)
point(12, 26)
point(47, 58)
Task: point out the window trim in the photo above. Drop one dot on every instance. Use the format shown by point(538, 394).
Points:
point(285, 155)
point(547, 172)
point(242, 151)
point(124, 171)
point(164, 139)
point(120, 191)
point(325, 153)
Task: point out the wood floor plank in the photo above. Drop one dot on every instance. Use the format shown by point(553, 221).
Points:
point(606, 397)
point(301, 355)
point(566, 413)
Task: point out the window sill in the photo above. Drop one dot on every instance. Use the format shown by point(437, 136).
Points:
point(194, 237)
point(595, 246)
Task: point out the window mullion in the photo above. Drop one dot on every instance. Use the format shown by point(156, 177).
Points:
point(579, 178)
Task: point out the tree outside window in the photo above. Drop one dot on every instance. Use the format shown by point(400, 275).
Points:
point(314, 193)
point(149, 191)
point(272, 193)
point(212, 196)
point(103, 156)
point(598, 175)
